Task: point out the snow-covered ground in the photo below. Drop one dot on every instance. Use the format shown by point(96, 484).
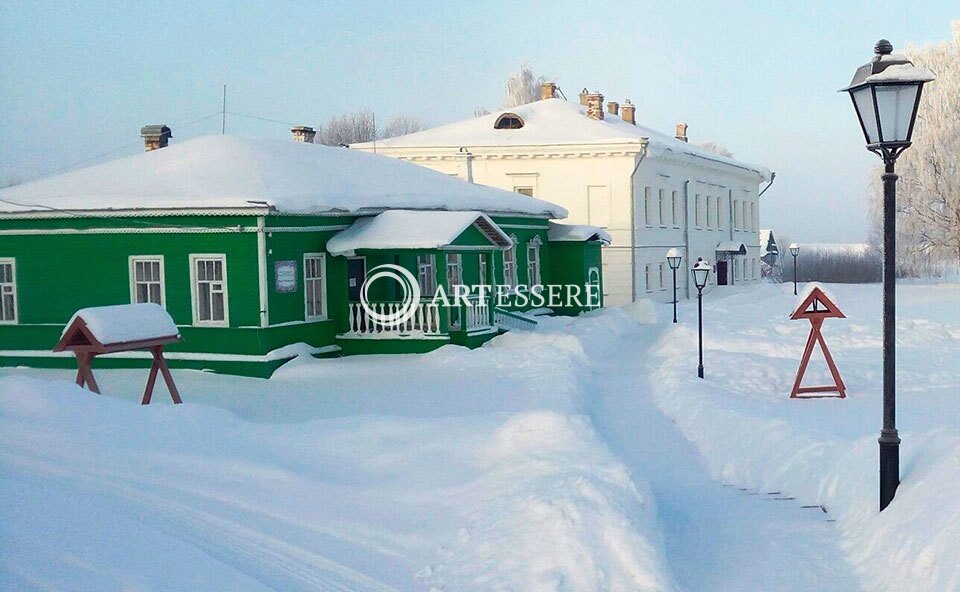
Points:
point(583, 456)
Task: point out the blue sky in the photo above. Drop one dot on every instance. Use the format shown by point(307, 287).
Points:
point(79, 79)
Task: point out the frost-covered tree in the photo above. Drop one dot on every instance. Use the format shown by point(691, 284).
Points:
point(348, 128)
point(401, 125)
point(928, 192)
point(716, 149)
point(361, 126)
point(522, 87)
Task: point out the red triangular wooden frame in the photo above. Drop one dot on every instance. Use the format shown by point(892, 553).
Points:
point(816, 307)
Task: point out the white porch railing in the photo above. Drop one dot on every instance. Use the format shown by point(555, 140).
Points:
point(478, 315)
point(425, 321)
point(506, 319)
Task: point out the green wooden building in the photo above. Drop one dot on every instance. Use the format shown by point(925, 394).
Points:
point(259, 250)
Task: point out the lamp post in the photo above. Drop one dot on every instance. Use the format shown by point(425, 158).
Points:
point(886, 94)
point(673, 259)
point(700, 273)
point(794, 250)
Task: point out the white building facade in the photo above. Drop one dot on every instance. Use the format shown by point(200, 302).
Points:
point(651, 192)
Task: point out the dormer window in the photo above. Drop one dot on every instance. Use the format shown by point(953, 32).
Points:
point(508, 121)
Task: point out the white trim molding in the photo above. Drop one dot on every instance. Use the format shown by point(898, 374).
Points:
point(307, 317)
point(194, 302)
point(10, 287)
point(132, 260)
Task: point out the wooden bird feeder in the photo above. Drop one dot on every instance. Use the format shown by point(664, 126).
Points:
point(816, 307)
point(127, 327)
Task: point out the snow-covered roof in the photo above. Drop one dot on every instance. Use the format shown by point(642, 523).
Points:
point(123, 323)
point(551, 122)
point(731, 247)
point(577, 233)
point(236, 172)
point(407, 229)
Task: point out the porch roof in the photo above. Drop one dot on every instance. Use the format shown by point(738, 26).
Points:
point(577, 233)
point(414, 229)
point(732, 247)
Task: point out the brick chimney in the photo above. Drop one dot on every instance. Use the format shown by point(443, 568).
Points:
point(583, 96)
point(628, 111)
point(548, 90)
point(303, 133)
point(155, 136)
point(595, 106)
point(681, 132)
point(613, 108)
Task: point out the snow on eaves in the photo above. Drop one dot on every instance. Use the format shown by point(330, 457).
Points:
point(405, 229)
point(577, 233)
point(552, 122)
point(236, 172)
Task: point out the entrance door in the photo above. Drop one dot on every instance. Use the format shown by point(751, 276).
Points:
point(721, 273)
point(356, 272)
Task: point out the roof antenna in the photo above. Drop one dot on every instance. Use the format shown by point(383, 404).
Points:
point(223, 112)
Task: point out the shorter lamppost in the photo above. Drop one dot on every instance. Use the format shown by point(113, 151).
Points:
point(794, 250)
point(673, 259)
point(700, 273)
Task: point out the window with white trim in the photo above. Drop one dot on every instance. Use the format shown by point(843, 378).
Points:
point(676, 211)
point(648, 277)
point(736, 215)
point(510, 263)
point(314, 286)
point(482, 267)
point(663, 209)
point(696, 211)
point(146, 279)
point(426, 275)
point(208, 276)
point(533, 262)
point(647, 211)
point(663, 281)
point(709, 211)
point(454, 270)
point(719, 214)
point(8, 291)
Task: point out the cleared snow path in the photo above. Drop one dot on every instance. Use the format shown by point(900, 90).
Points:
point(716, 537)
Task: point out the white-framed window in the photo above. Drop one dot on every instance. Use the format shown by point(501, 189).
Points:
point(482, 266)
point(8, 291)
point(745, 225)
point(753, 216)
point(697, 209)
point(510, 263)
point(648, 277)
point(663, 278)
point(663, 209)
point(314, 286)
point(676, 211)
point(454, 270)
point(709, 211)
point(736, 214)
point(147, 279)
point(426, 275)
point(528, 191)
point(719, 214)
point(533, 261)
point(208, 287)
point(647, 207)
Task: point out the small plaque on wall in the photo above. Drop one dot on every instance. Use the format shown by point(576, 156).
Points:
point(285, 274)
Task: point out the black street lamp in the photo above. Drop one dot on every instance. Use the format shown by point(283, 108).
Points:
point(673, 259)
point(700, 273)
point(794, 250)
point(886, 94)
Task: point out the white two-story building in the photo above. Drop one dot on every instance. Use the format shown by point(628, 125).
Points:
point(652, 192)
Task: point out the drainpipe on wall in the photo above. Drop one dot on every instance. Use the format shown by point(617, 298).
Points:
point(262, 271)
point(633, 223)
point(686, 236)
